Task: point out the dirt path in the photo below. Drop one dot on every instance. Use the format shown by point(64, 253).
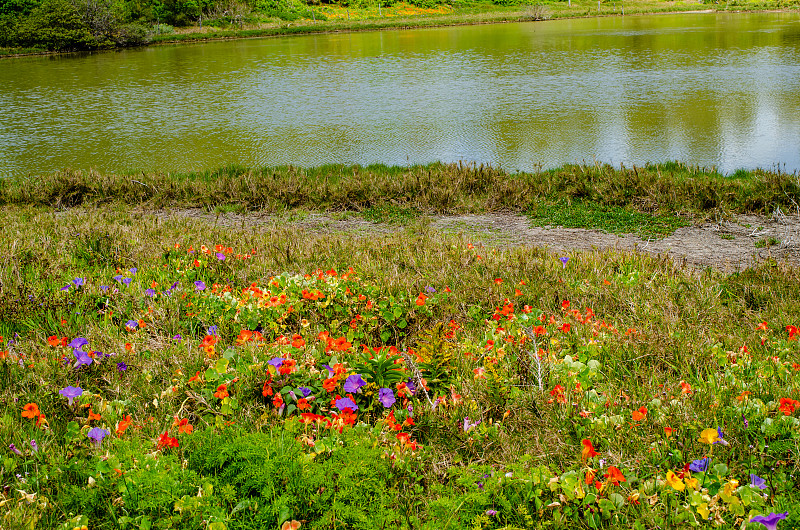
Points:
point(727, 246)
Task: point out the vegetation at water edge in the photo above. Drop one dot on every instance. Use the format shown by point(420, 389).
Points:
point(64, 25)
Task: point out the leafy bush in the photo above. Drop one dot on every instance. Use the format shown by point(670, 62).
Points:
point(56, 25)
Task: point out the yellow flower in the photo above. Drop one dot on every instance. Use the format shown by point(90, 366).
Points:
point(730, 487)
point(692, 483)
point(709, 436)
point(675, 482)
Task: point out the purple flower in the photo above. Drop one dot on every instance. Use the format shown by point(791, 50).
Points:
point(34, 446)
point(104, 288)
point(131, 325)
point(133, 270)
point(81, 358)
point(220, 256)
point(150, 292)
point(173, 286)
point(479, 484)
point(720, 441)
point(121, 366)
point(177, 338)
point(118, 277)
point(411, 385)
point(66, 287)
point(96, 435)
point(386, 397)
point(14, 448)
point(430, 289)
point(78, 282)
point(491, 512)
point(212, 330)
point(698, 466)
point(277, 362)
point(305, 390)
point(71, 392)
point(771, 520)
point(346, 403)
point(127, 281)
point(564, 261)
point(758, 482)
point(354, 383)
point(199, 285)
point(329, 369)
point(78, 342)
point(468, 426)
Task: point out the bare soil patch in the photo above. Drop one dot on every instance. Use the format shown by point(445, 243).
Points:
point(729, 246)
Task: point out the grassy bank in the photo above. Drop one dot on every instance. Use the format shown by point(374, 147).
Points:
point(176, 373)
point(480, 13)
point(668, 194)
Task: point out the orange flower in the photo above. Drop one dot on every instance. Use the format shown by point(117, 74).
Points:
point(639, 415)
point(788, 406)
point(303, 404)
point(31, 410)
point(222, 392)
point(93, 416)
point(614, 476)
point(298, 341)
point(588, 450)
point(668, 431)
point(123, 425)
point(195, 377)
point(184, 426)
point(421, 299)
point(278, 401)
point(243, 337)
point(53, 341)
point(762, 327)
point(165, 441)
point(686, 388)
point(330, 384)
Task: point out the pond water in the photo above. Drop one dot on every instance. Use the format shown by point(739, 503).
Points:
point(710, 89)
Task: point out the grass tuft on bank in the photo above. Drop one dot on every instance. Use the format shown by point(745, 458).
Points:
point(615, 199)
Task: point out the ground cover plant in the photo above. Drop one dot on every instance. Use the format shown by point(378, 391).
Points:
point(179, 374)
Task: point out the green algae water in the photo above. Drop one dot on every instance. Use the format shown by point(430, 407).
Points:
point(711, 89)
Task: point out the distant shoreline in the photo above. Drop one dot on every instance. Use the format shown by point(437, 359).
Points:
point(526, 14)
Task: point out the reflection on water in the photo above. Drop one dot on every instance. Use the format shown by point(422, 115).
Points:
point(708, 89)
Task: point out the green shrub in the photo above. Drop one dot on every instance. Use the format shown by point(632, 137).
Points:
point(55, 25)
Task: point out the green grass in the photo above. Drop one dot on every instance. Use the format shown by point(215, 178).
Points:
point(655, 325)
point(612, 219)
point(767, 242)
point(390, 214)
point(435, 189)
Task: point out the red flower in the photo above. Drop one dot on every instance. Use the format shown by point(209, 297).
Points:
point(123, 425)
point(614, 476)
point(222, 392)
point(639, 415)
point(165, 441)
point(788, 406)
point(588, 450)
point(421, 299)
